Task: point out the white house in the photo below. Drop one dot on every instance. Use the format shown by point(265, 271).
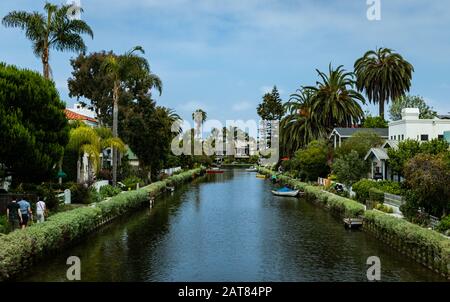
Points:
point(412, 127)
point(409, 127)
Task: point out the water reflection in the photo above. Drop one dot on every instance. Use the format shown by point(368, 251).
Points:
point(229, 227)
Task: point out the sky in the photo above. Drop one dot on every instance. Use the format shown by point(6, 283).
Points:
point(223, 55)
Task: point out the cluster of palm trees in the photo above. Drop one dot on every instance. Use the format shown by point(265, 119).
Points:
point(55, 30)
point(335, 101)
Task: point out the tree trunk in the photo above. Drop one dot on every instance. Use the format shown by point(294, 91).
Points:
point(45, 63)
point(382, 109)
point(115, 129)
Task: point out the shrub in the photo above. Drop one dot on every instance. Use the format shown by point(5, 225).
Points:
point(80, 194)
point(376, 195)
point(4, 225)
point(132, 181)
point(361, 189)
point(444, 224)
point(108, 191)
point(384, 208)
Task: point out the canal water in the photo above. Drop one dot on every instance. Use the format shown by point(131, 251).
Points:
point(229, 227)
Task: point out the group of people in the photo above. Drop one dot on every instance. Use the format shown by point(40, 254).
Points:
point(19, 213)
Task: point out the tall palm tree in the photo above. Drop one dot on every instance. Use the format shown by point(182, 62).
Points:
point(299, 127)
point(383, 75)
point(334, 102)
point(201, 113)
point(120, 68)
point(199, 116)
point(54, 30)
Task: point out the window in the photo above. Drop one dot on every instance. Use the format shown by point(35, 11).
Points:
point(441, 137)
point(424, 137)
point(395, 137)
point(403, 137)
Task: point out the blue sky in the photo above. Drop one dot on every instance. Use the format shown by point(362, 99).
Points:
point(222, 55)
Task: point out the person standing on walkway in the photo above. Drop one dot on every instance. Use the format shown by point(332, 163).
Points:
point(41, 209)
point(13, 213)
point(25, 210)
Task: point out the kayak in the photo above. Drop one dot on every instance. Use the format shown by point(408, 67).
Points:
point(285, 192)
point(260, 176)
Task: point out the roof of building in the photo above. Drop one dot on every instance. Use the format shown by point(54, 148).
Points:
point(379, 153)
point(390, 144)
point(76, 116)
point(347, 132)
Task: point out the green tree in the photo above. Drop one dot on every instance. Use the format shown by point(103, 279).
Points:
point(33, 127)
point(410, 148)
point(374, 122)
point(54, 30)
point(147, 130)
point(335, 103)
point(271, 108)
point(299, 127)
point(120, 69)
point(312, 162)
point(350, 168)
point(428, 177)
point(398, 157)
point(383, 75)
point(408, 101)
point(361, 142)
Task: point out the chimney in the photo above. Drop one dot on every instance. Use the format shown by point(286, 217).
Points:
point(410, 114)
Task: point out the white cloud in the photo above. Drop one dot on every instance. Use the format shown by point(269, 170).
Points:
point(192, 106)
point(241, 106)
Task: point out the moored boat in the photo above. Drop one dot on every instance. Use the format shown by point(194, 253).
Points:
point(214, 170)
point(252, 169)
point(261, 176)
point(285, 192)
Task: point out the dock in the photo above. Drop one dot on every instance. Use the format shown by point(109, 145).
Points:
point(353, 223)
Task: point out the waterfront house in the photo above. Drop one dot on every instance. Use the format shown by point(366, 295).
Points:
point(338, 135)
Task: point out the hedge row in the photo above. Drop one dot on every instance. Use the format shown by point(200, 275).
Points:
point(19, 249)
point(343, 206)
point(419, 242)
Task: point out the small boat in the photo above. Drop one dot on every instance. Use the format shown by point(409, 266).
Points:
point(285, 192)
point(252, 169)
point(214, 170)
point(261, 176)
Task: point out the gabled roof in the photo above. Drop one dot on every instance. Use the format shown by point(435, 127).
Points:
point(379, 153)
point(348, 132)
point(390, 144)
point(76, 116)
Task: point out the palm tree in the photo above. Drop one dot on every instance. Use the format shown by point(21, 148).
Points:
point(383, 75)
point(334, 102)
point(90, 142)
point(199, 113)
point(299, 127)
point(55, 30)
point(199, 116)
point(120, 68)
